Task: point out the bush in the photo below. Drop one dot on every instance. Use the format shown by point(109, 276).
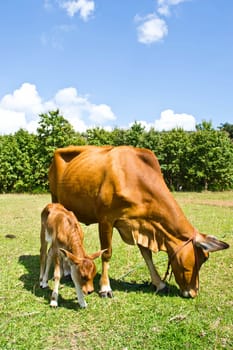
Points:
point(200, 160)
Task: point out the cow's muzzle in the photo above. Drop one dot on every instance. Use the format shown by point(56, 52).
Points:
point(189, 294)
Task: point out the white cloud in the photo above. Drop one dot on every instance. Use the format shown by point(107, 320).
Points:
point(152, 29)
point(78, 108)
point(21, 109)
point(25, 100)
point(101, 113)
point(11, 121)
point(55, 38)
point(170, 120)
point(164, 6)
point(85, 8)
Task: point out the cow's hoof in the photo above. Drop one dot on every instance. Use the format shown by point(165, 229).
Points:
point(163, 291)
point(106, 294)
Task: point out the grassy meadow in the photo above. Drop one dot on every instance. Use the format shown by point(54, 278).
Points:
point(136, 318)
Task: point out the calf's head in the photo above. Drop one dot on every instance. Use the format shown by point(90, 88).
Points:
point(188, 258)
point(83, 270)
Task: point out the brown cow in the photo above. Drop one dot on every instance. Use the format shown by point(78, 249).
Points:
point(123, 187)
point(61, 228)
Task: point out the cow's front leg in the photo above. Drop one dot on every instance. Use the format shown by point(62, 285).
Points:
point(105, 232)
point(57, 277)
point(155, 278)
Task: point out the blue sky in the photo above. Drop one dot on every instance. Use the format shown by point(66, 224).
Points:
point(165, 63)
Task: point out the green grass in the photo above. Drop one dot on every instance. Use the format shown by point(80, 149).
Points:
point(135, 318)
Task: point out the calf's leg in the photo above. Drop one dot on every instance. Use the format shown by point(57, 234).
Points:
point(45, 275)
point(57, 277)
point(78, 288)
point(43, 253)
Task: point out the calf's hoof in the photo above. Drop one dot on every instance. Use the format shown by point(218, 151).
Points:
point(43, 284)
point(83, 306)
point(53, 304)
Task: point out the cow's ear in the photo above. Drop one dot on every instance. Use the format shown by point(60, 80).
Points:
point(96, 254)
point(72, 259)
point(209, 243)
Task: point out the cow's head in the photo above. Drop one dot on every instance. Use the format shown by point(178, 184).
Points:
point(83, 270)
point(186, 261)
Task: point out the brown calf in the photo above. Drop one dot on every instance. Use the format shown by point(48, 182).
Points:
point(61, 228)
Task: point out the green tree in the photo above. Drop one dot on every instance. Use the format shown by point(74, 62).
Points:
point(54, 131)
point(18, 162)
point(135, 135)
point(27, 161)
point(194, 160)
point(227, 127)
point(211, 160)
point(98, 137)
point(152, 141)
point(205, 125)
point(8, 158)
point(118, 137)
point(172, 153)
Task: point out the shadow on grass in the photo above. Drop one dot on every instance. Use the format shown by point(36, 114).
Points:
point(31, 283)
point(31, 278)
point(146, 287)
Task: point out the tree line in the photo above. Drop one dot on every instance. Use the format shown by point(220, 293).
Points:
point(191, 161)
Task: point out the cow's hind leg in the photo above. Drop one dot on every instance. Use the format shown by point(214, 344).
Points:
point(105, 232)
point(155, 278)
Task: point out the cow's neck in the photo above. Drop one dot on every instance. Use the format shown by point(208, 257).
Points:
point(172, 219)
point(174, 245)
point(174, 236)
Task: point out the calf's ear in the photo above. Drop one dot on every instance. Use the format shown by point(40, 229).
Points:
point(96, 254)
point(72, 259)
point(209, 243)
